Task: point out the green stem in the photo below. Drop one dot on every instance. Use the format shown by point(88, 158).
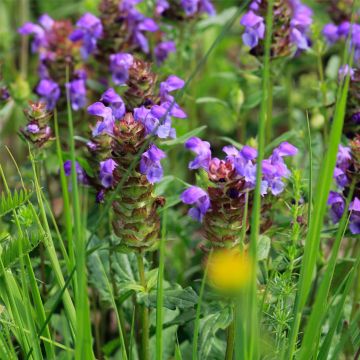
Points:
point(269, 111)
point(144, 313)
point(230, 341)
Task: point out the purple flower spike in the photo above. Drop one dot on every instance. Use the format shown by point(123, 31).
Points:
point(150, 164)
point(77, 91)
point(119, 65)
point(198, 197)
point(49, 91)
point(254, 29)
point(116, 103)
point(202, 150)
point(107, 168)
point(163, 49)
point(330, 32)
point(33, 128)
point(337, 203)
point(89, 30)
point(80, 172)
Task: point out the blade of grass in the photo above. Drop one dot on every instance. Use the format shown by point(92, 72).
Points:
point(160, 290)
point(322, 192)
point(318, 312)
point(198, 311)
point(83, 346)
point(265, 112)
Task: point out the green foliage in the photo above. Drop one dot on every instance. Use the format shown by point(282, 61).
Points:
point(11, 201)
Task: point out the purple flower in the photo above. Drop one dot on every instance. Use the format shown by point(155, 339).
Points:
point(82, 177)
point(356, 118)
point(193, 7)
point(89, 30)
point(107, 125)
point(33, 128)
point(343, 162)
point(107, 168)
point(150, 164)
point(344, 28)
point(161, 6)
point(344, 71)
point(100, 196)
point(199, 198)
point(355, 216)
point(119, 66)
point(77, 91)
point(115, 102)
point(254, 29)
point(337, 206)
point(49, 92)
point(330, 32)
point(38, 32)
point(163, 49)
point(202, 150)
point(46, 21)
point(207, 7)
point(172, 83)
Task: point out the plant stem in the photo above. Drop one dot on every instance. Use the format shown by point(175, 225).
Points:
point(144, 312)
point(230, 342)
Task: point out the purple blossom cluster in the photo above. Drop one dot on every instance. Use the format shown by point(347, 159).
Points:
point(155, 119)
point(336, 200)
point(334, 33)
point(51, 42)
point(300, 22)
point(190, 7)
point(238, 165)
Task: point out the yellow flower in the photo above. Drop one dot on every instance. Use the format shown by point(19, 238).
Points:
point(229, 269)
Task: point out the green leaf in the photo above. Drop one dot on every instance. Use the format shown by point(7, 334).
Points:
point(211, 100)
point(263, 247)
point(183, 138)
point(11, 201)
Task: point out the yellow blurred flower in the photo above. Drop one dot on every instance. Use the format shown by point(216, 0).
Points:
point(229, 270)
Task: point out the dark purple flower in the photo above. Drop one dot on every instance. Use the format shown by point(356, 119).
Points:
point(116, 103)
point(337, 206)
point(163, 49)
point(202, 150)
point(199, 198)
point(330, 32)
point(119, 66)
point(356, 118)
point(49, 92)
point(33, 128)
point(254, 29)
point(82, 177)
point(89, 30)
point(107, 168)
point(77, 91)
point(150, 164)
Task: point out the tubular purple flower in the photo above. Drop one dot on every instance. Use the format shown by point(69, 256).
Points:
point(202, 150)
point(107, 125)
point(254, 29)
point(49, 92)
point(38, 32)
point(115, 102)
point(107, 168)
point(163, 49)
point(330, 32)
point(89, 30)
point(119, 66)
point(337, 206)
point(150, 164)
point(82, 177)
point(77, 91)
point(198, 197)
point(33, 128)
point(161, 6)
point(171, 84)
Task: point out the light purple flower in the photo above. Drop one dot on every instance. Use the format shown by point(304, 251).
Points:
point(38, 32)
point(346, 70)
point(343, 162)
point(254, 29)
point(161, 6)
point(49, 92)
point(344, 29)
point(119, 66)
point(171, 84)
point(33, 128)
point(77, 91)
point(150, 164)
point(106, 176)
point(107, 125)
point(89, 30)
point(82, 177)
point(199, 198)
point(202, 150)
point(330, 32)
point(115, 102)
point(163, 49)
